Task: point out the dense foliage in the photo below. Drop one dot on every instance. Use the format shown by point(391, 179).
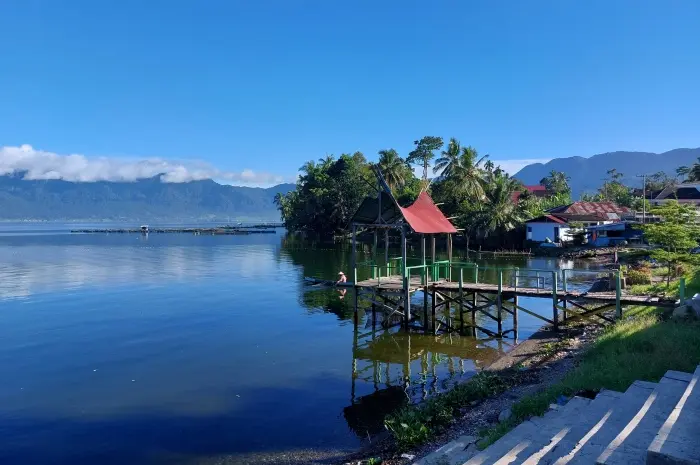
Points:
point(675, 234)
point(479, 197)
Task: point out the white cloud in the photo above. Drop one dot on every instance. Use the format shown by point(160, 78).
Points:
point(513, 166)
point(38, 164)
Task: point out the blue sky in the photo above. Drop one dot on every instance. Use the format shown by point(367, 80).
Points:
point(265, 85)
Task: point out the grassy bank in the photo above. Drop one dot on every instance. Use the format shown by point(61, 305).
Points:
point(692, 284)
point(643, 346)
point(415, 425)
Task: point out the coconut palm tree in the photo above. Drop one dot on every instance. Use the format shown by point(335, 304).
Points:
point(499, 213)
point(691, 173)
point(556, 182)
point(449, 159)
point(461, 168)
point(393, 167)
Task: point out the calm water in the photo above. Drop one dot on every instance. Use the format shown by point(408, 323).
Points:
point(178, 348)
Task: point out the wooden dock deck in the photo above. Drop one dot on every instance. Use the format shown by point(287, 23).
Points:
point(395, 284)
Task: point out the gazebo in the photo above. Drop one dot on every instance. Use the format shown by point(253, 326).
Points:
point(383, 212)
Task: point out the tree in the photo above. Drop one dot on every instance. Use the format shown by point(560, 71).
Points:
point(327, 194)
point(394, 168)
point(658, 181)
point(613, 190)
point(556, 182)
point(461, 170)
point(424, 152)
point(691, 173)
point(499, 213)
point(675, 234)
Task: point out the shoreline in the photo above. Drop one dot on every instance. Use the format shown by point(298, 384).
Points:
point(537, 362)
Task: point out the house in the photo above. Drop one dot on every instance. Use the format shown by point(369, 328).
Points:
point(560, 223)
point(536, 191)
point(606, 235)
point(688, 193)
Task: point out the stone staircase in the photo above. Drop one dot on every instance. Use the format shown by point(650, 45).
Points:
point(652, 423)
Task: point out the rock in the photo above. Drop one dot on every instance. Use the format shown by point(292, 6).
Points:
point(680, 312)
point(694, 304)
point(505, 415)
point(408, 456)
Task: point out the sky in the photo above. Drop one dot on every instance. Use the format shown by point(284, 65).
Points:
point(247, 91)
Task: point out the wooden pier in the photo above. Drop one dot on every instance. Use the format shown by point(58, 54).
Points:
point(390, 293)
point(471, 289)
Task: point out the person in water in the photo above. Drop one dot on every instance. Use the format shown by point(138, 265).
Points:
point(341, 278)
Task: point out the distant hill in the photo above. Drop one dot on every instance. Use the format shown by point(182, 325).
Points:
point(146, 200)
point(587, 174)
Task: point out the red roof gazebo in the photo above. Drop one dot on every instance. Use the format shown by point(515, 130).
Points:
point(383, 212)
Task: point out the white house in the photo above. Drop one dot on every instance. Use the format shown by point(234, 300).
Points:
point(559, 224)
point(548, 227)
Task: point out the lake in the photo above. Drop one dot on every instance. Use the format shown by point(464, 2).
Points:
point(176, 348)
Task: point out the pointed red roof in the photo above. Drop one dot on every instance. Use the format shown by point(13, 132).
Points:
point(426, 218)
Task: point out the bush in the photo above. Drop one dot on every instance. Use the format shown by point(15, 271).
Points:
point(679, 270)
point(639, 276)
point(416, 424)
point(645, 266)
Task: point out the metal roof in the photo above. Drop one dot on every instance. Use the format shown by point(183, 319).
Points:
point(423, 216)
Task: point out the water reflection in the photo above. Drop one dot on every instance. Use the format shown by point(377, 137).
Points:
point(202, 345)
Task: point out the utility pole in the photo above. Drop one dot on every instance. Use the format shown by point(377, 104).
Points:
point(644, 197)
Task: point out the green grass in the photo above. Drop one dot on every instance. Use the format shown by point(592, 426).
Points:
point(642, 346)
point(416, 424)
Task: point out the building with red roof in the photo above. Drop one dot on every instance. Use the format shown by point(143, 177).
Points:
point(536, 190)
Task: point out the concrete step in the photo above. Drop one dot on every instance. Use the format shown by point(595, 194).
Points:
point(631, 443)
point(678, 439)
point(590, 435)
point(464, 448)
point(540, 435)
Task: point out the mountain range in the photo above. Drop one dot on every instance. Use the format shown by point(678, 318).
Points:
point(588, 174)
point(147, 199)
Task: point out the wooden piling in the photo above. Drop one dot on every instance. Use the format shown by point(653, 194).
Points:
point(499, 303)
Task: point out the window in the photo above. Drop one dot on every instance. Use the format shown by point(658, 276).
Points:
point(529, 229)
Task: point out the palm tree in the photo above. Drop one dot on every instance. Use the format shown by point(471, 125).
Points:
point(461, 167)
point(449, 160)
point(692, 173)
point(499, 213)
point(393, 167)
point(556, 182)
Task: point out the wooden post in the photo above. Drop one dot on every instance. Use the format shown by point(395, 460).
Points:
point(618, 295)
point(515, 316)
point(422, 247)
point(476, 274)
point(386, 251)
point(374, 247)
point(354, 254)
point(461, 301)
point(555, 301)
point(406, 280)
point(681, 291)
point(563, 274)
point(432, 246)
point(424, 273)
point(432, 317)
point(499, 303)
point(449, 257)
